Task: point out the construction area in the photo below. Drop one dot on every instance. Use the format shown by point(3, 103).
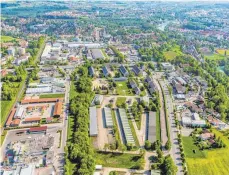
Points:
point(27, 151)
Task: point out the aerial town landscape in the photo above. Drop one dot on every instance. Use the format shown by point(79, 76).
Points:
point(114, 88)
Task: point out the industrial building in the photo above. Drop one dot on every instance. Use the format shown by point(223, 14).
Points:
point(126, 127)
point(151, 129)
point(108, 117)
point(93, 122)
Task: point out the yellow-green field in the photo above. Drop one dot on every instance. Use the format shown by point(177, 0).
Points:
point(170, 55)
point(215, 163)
point(222, 51)
point(6, 39)
point(214, 57)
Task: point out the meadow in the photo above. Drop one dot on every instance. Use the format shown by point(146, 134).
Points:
point(5, 39)
point(209, 162)
point(123, 89)
point(214, 57)
point(119, 160)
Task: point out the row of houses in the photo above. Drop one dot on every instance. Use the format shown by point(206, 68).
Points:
point(151, 85)
point(135, 87)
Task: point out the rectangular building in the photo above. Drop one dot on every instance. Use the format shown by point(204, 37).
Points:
point(93, 122)
point(108, 117)
point(152, 127)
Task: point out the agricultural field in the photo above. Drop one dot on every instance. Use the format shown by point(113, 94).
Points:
point(123, 89)
point(119, 160)
point(214, 161)
point(222, 51)
point(5, 39)
point(214, 57)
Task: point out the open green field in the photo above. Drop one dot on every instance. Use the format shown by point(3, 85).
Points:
point(52, 96)
point(119, 160)
point(175, 51)
point(120, 101)
point(216, 161)
point(3, 136)
point(170, 55)
point(189, 146)
point(222, 51)
point(5, 39)
point(214, 57)
point(123, 89)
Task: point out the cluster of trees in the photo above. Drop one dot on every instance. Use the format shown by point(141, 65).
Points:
point(152, 53)
point(166, 164)
point(8, 91)
point(33, 49)
point(120, 56)
point(61, 71)
point(79, 150)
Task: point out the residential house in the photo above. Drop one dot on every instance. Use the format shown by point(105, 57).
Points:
point(124, 71)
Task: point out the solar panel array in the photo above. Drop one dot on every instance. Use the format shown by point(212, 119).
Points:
point(126, 127)
point(108, 117)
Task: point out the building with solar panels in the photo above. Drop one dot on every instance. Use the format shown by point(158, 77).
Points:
point(129, 139)
point(108, 117)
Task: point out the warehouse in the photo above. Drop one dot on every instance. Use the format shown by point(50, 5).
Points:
point(19, 112)
point(126, 127)
point(39, 90)
point(96, 54)
point(93, 122)
point(151, 129)
point(108, 117)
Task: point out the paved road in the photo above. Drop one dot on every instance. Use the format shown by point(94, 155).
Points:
point(164, 137)
point(175, 151)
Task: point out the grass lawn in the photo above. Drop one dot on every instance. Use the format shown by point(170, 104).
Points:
point(216, 161)
point(222, 51)
point(133, 132)
point(52, 96)
point(189, 146)
point(170, 55)
point(120, 101)
point(158, 128)
point(214, 57)
point(119, 160)
point(5, 39)
point(123, 89)
point(3, 136)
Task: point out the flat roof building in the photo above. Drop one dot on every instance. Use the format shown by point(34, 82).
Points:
point(96, 54)
point(108, 117)
point(152, 127)
point(93, 122)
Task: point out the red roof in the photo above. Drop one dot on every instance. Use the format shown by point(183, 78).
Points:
point(58, 108)
point(41, 100)
point(42, 128)
point(15, 122)
point(32, 119)
point(10, 118)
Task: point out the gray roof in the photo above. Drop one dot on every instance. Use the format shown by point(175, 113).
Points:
point(108, 117)
point(93, 121)
point(152, 127)
point(96, 53)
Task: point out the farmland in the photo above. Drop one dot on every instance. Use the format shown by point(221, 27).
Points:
point(216, 158)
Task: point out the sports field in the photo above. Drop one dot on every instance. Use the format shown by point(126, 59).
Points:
point(209, 162)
